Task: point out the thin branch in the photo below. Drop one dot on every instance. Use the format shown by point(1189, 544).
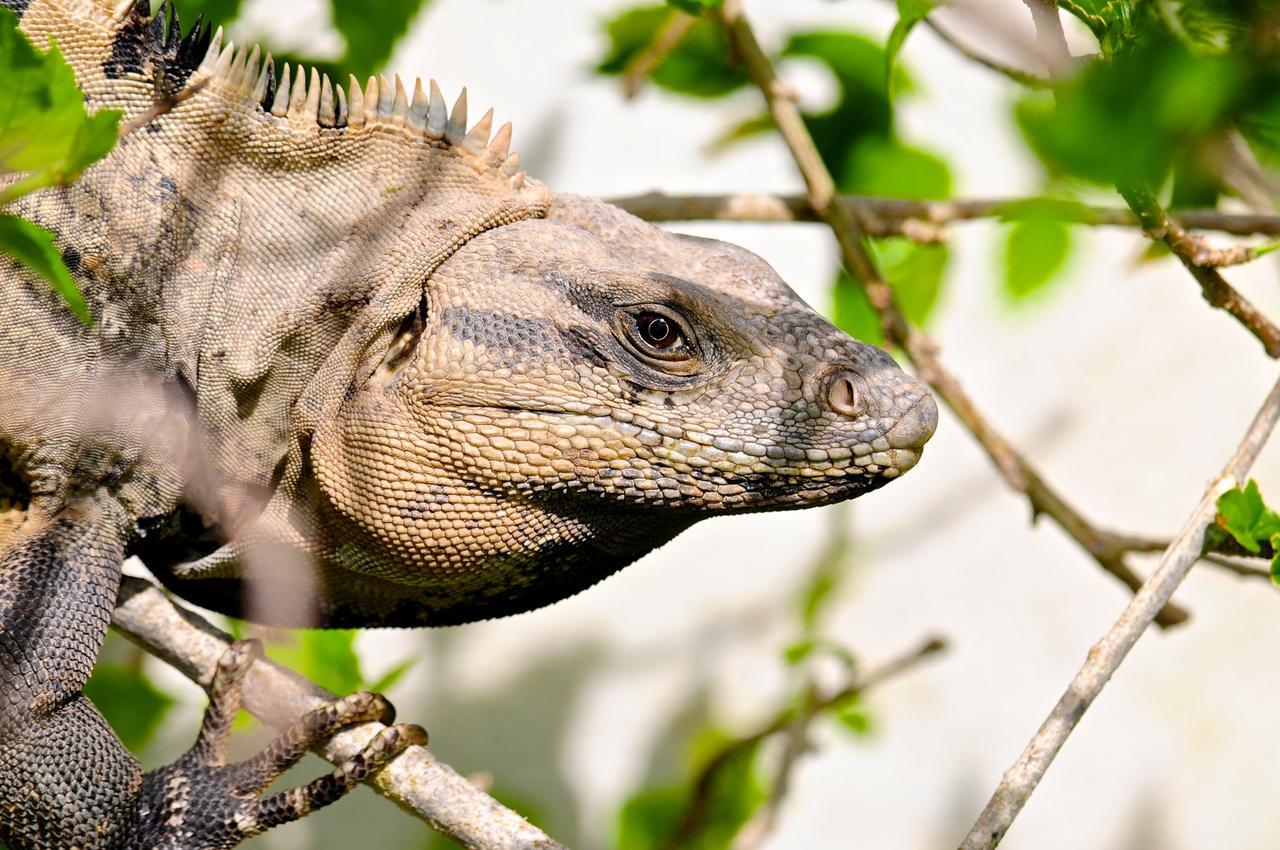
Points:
point(894, 216)
point(789, 719)
point(1051, 39)
point(667, 39)
point(1104, 658)
point(1190, 251)
point(415, 780)
point(919, 348)
point(1018, 75)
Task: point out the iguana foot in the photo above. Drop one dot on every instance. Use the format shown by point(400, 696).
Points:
point(202, 803)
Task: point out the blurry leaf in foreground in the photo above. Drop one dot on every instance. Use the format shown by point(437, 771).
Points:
point(910, 12)
point(1127, 119)
point(887, 167)
point(33, 247)
point(371, 31)
point(699, 65)
point(1035, 251)
point(44, 127)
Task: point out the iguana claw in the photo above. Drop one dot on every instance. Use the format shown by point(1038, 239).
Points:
point(202, 803)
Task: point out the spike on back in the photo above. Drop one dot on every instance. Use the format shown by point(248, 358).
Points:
point(304, 96)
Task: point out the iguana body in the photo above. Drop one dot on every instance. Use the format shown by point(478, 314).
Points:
point(350, 367)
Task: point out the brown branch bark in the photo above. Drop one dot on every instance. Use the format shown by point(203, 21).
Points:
point(1104, 658)
point(1191, 252)
point(415, 780)
point(919, 348)
point(896, 216)
point(673, 31)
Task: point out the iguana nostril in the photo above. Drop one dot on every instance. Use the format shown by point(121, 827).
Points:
point(916, 426)
point(843, 396)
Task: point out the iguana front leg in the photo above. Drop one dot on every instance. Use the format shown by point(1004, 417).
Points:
point(65, 778)
point(66, 781)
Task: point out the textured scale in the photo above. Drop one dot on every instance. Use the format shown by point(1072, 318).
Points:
point(350, 366)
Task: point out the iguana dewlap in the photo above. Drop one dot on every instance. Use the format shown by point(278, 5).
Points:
point(350, 366)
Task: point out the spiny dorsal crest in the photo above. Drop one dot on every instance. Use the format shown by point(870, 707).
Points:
point(298, 94)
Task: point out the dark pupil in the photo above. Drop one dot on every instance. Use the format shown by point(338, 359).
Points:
point(657, 331)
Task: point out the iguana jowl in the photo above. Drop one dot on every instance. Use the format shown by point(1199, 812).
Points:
point(349, 366)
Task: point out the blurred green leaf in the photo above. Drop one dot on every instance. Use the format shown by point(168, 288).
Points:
point(852, 715)
point(388, 679)
point(130, 703)
point(1244, 515)
point(695, 7)
point(216, 12)
point(910, 12)
point(327, 657)
point(650, 818)
point(698, 66)
point(1205, 27)
point(914, 273)
point(1127, 119)
point(887, 167)
point(799, 651)
point(1035, 250)
point(371, 32)
point(33, 247)
point(44, 127)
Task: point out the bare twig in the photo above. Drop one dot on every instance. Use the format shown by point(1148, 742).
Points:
point(1105, 657)
point(1191, 252)
point(161, 106)
point(1051, 40)
point(416, 780)
point(893, 216)
point(1018, 75)
point(921, 350)
point(796, 721)
point(672, 32)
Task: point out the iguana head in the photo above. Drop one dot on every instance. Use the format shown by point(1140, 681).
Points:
point(581, 387)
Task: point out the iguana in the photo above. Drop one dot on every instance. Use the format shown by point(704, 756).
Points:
point(350, 366)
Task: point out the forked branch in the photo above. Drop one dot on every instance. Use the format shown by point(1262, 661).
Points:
point(416, 781)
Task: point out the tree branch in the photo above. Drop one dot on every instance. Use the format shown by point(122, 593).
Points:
point(1193, 255)
point(1018, 75)
point(919, 348)
point(1104, 658)
point(896, 216)
point(415, 780)
point(672, 32)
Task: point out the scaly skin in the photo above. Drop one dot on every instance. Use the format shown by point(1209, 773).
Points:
point(350, 367)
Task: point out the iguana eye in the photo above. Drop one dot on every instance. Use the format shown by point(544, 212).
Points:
point(657, 331)
point(656, 334)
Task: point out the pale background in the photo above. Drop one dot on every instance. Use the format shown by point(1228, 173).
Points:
point(1124, 387)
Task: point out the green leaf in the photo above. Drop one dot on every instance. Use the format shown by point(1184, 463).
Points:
point(887, 167)
point(698, 66)
point(1205, 27)
point(44, 127)
point(388, 679)
point(910, 12)
point(370, 35)
point(33, 247)
point(129, 702)
point(914, 273)
point(695, 7)
point(326, 656)
point(799, 651)
point(216, 12)
point(1035, 250)
point(852, 715)
point(1112, 22)
point(1130, 118)
point(1244, 515)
